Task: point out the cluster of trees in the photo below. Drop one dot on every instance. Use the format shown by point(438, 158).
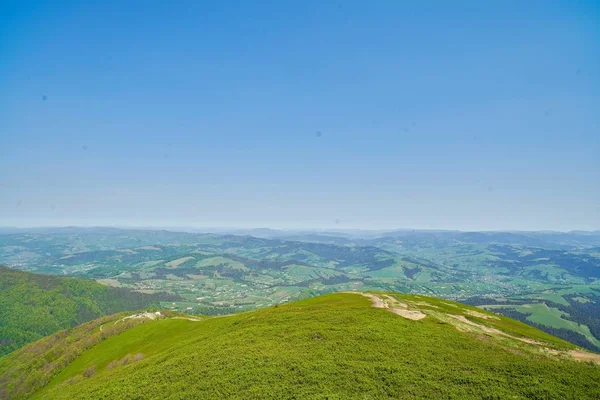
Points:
point(579, 265)
point(32, 367)
point(585, 312)
point(372, 257)
point(565, 334)
point(33, 305)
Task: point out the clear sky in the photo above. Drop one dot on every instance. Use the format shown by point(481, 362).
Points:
point(298, 114)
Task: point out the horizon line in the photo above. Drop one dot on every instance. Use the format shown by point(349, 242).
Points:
point(208, 229)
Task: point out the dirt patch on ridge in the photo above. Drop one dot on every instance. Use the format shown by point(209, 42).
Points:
point(581, 355)
point(188, 319)
point(377, 302)
point(480, 315)
point(463, 324)
point(488, 329)
point(394, 306)
point(410, 314)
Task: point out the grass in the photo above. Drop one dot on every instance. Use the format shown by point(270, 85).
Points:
point(33, 306)
point(333, 346)
point(549, 316)
point(131, 342)
point(553, 297)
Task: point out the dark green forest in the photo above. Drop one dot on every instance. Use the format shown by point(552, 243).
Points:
point(34, 305)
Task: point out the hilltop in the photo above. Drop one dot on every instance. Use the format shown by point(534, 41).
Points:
point(35, 305)
point(548, 280)
point(345, 345)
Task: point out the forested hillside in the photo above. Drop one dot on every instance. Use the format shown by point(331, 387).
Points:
point(33, 305)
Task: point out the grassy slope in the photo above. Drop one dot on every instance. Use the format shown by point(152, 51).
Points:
point(334, 346)
point(29, 369)
point(548, 316)
point(33, 306)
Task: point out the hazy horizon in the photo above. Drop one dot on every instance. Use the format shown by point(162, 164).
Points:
point(462, 116)
point(233, 229)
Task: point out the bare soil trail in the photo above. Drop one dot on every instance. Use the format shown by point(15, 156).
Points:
point(394, 306)
point(410, 310)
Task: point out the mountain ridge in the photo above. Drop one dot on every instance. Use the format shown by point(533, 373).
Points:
point(343, 345)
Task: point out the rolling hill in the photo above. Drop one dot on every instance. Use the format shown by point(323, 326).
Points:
point(345, 345)
point(34, 305)
point(548, 280)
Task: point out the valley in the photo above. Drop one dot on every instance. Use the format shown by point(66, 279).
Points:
point(548, 280)
point(344, 345)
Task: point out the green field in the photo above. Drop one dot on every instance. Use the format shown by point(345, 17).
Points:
point(549, 316)
point(221, 274)
point(334, 346)
point(33, 305)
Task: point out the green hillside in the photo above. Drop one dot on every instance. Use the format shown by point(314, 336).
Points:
point(33, 305)
point(548, 280)
point(346, 345)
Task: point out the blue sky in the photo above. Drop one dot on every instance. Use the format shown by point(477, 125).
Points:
point(301, 114)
